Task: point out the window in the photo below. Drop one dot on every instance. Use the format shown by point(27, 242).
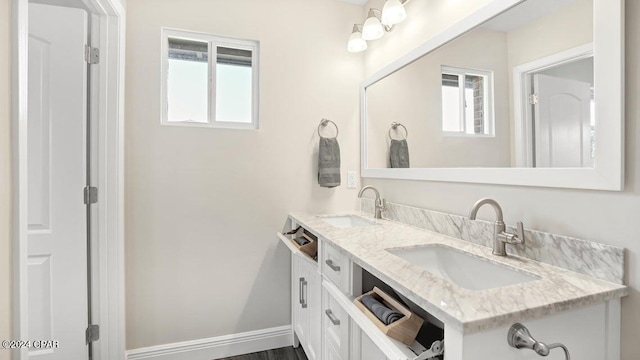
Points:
point(467, 102)
point(197, 91)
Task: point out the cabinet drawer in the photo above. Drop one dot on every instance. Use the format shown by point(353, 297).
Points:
point(388, 347)
point(335, 321)
point(330, 352)
point(335, 324)
point(335, 266)
point(369, 350)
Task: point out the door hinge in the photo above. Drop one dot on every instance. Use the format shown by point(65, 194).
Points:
point(533, 99)
point(93, 333)
point(90, 195)
point(91, 54)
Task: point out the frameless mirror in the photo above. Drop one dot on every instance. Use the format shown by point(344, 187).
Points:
point(522, 95)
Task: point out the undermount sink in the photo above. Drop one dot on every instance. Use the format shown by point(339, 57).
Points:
point(462, 268)
point(347, 221)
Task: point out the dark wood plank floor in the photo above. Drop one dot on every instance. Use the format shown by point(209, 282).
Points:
point(288, 353)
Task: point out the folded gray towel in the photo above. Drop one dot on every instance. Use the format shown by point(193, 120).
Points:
point(328, 162)
point(399, 153)
point(301, 240)
point(383, 313)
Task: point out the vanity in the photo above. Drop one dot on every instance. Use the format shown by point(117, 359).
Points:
point(508, 95)
point(456, 286)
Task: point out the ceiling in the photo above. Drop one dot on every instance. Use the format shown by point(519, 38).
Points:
point(524, 13)
point(357, 2)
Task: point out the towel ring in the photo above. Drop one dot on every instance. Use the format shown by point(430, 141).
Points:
point(324, 123)
point(394, 126)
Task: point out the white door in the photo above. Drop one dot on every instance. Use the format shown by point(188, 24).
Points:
point(562, 120)
point(57, 261)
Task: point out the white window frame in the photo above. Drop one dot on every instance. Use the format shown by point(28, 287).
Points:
point(214, 42)
point(489, 118)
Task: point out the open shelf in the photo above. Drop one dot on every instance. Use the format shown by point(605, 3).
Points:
point(393, 349)
point(404, 329)
point(309, 250)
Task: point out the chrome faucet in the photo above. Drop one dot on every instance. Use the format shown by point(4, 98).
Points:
point(500, 236)
point(379, 203)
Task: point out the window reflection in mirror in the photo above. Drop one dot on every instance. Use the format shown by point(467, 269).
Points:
point(517, 91)
point(466, 101)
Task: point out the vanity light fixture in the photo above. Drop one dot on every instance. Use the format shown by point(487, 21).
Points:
point(393, 12)
point(377, 23)
point(372, 29)
point(356, 42)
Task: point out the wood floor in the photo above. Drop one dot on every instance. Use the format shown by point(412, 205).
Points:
point(288, 353)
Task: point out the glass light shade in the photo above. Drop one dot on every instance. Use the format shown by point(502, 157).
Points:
point(372, 29)
point(393, 12)
point(356, 42)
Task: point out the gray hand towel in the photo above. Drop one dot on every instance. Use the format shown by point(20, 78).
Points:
point(399, 153)
point(328, 162)
point(383, 313)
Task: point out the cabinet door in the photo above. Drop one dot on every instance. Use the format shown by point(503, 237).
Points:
point(300, 282)
point(307, 306)
point(313, 301)
point(583, 331)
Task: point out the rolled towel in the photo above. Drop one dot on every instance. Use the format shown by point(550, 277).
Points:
point(399, 153)
point(328, 162)
point(383, 313)
point(301, 240)
point(393, 316)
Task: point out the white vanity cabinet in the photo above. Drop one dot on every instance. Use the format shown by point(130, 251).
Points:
point(331, 327)
point(323, 310)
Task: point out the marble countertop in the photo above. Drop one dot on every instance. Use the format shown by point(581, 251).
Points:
point(468, 311)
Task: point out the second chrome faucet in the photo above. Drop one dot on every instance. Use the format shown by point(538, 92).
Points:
point(500, 236)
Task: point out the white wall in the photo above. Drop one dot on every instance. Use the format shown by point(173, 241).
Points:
point(203, 205)
point(607, 217)
point(5, 174)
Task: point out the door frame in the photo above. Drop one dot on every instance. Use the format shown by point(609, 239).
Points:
point(522, 114)
point(108, 274)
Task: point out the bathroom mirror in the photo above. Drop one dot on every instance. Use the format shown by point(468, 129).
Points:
point(520, 92)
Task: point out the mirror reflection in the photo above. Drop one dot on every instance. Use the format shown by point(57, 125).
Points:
point(517, 91)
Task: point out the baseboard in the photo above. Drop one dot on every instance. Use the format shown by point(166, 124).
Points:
point(218, 347)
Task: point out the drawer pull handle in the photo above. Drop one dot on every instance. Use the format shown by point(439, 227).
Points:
point(303, 283)
point(300, 280)
point(332, 265)
point(332, 317)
